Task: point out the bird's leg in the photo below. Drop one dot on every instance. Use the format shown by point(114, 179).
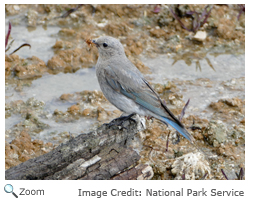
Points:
point(193, 127)
point(178, 139)
point(180, 118)
point(120, 120)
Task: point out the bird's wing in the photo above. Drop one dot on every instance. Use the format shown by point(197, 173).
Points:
point(133, 85)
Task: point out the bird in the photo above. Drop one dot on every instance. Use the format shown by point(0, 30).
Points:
point(126, 88)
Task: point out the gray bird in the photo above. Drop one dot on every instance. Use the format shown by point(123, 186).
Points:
point(126, 88)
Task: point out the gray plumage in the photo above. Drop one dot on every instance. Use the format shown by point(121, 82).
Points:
point(126, 88)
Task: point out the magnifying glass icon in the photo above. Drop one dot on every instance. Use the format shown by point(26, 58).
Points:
point(8, 188)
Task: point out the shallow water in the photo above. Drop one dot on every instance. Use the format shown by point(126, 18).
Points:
point(11, 121)
point(49, 87)
point(65, 129)
point(40, 39)
point(224, 67)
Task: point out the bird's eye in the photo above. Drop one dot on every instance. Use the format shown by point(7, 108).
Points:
point(105, 45)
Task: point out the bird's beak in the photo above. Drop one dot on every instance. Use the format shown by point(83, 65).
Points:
point(95, 43)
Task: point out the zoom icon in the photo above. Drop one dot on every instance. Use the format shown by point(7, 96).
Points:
point(8, 188)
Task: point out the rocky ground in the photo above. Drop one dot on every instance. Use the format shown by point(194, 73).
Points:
point(144, 30)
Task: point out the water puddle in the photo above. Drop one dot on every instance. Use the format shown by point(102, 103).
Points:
point(11, 121)
point(61, 132)
point(223, 67)
point(49, 88)
point(41, 40)
point(202, 80)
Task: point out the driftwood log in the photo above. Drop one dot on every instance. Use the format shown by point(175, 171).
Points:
point(102, 154)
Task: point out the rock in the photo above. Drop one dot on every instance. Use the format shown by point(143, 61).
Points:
point(216, 132)
point(117, 29)
point(86, 112)
point(22, 148)
point(67, 32)
point(169, 85)
point(103, 23)
point(16, 7)
point(102, 114)
point(238, 132)
point(200, 36)
point(74, 109)
point(30, 68)
point(157, 33)
point(139, 64)
point(234, 102)
point(66, 97)
point(33, 102)
point(159, 88)
point(72, 59)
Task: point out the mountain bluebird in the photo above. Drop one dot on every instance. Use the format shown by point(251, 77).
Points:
point(126, 88)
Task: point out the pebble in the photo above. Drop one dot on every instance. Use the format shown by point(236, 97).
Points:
point(200, 36)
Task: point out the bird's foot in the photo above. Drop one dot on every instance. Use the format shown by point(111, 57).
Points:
point(119, 121)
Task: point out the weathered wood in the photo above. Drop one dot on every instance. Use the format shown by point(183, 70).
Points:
point(139, 172)
point(100, 154)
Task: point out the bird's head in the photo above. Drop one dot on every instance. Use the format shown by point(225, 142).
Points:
point(108, 47)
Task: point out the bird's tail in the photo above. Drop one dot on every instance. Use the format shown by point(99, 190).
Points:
point(180, 129)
